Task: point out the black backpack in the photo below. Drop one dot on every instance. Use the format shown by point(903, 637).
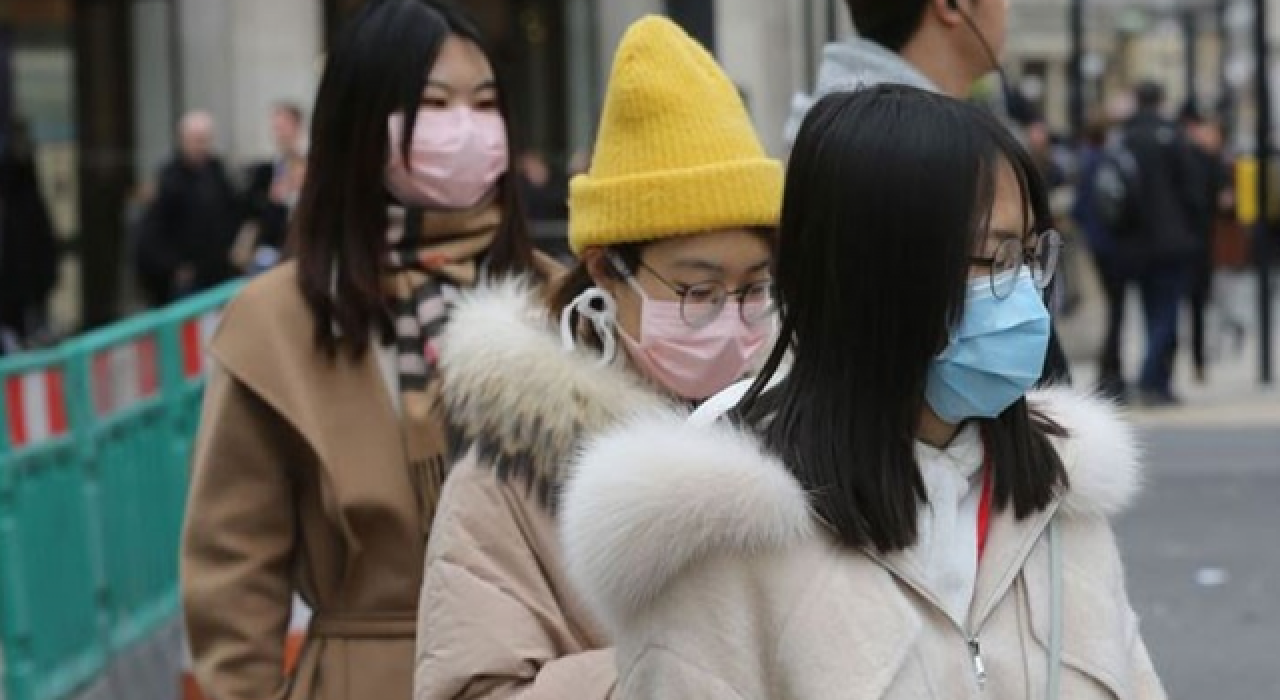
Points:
point(1117, 189)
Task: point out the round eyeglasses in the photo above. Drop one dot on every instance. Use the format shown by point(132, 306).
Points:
point(701, 304)
point(1011, 255)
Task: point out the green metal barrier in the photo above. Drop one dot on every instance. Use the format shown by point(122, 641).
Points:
point(95, 439)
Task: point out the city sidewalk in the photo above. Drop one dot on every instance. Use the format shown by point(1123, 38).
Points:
point(1232, 396)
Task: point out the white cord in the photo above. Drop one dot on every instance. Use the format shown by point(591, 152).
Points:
point(603, 318)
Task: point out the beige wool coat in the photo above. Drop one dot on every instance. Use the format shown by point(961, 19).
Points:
point(701, 556)
point(498, 618)
point(300, 483)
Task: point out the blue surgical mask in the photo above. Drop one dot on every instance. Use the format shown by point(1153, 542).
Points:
point(996, 353)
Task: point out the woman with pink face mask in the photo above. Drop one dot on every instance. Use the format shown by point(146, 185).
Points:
point(670, 303)
point(322, 446)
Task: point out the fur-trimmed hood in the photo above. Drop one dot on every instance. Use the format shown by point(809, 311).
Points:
point(648, 498)
point(514, 393)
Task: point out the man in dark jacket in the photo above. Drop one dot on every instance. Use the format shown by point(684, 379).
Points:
point(1166, 242)
point(274, 186)
point(186, 236)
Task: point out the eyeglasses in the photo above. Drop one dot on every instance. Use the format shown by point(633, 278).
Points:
point(1011, 255)
point(701, 304)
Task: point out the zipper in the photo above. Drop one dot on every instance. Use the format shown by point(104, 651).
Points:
point(979, 665)
point(973, 644)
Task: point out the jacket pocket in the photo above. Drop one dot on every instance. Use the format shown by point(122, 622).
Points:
point(1098, 636)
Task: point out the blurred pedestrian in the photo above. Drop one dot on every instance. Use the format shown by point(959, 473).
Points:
point(322, 447)
point(1165, 242)
point(28, 245)
point(885, 522)
point(928, 44)
point(546, 192)
point(272, 194)
point(670, 304)
point(1044, 152)
point(579, 162)
point(186, 235)
point(1114, 266)
point(1206, 142)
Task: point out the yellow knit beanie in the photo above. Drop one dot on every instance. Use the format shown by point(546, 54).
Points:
point(676, 154)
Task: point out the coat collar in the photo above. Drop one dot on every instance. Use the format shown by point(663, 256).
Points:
point(340, 407)
point(648, 498)
point(513, 392)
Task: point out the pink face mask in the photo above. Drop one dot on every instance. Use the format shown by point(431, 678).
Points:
point(455, 157)
point(694, 363)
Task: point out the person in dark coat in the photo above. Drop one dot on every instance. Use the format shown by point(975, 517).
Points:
point(1114, 270)
point(1166, 243)
point(28, 246)
point(546, 193)
point(273, 188)
point(186, 237)
point(1205, 138)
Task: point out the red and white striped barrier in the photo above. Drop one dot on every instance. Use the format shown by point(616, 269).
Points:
point(197, 334)
point(36, 406)
point(124, 375)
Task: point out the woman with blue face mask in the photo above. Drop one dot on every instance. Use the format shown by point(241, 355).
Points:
point(898, 514)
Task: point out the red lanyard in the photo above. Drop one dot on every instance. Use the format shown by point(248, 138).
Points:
point(984, 505)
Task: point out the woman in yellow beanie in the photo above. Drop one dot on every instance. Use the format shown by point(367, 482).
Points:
point(670, 304)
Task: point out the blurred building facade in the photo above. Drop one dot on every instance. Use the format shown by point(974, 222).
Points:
point(102, 82)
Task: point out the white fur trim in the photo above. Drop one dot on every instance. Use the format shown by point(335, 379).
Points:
point(1102, 453)
point(647, 499)
point(508, 380)
point(651, 496)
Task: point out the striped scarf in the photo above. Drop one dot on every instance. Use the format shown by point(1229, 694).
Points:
point(432, 255)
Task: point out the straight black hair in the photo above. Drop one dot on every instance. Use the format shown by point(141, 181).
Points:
point(889, 190)
point(890, 23)
point(379, 66)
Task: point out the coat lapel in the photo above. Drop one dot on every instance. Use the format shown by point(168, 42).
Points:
point(1009, 545)
point(340, 407)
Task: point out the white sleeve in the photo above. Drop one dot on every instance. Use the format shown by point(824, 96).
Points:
point(715, 408)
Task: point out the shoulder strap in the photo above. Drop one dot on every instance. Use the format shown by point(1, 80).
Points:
point(1055, 610)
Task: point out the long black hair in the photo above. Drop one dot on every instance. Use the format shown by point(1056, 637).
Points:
point(889, 189)
point(379, 66)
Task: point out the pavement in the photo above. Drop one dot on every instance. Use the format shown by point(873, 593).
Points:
point(1203, 562)
point(1231, 397)
point(1202, 543)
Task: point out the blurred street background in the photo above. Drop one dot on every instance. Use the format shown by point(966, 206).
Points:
point(98, 98)
point(99, 86)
